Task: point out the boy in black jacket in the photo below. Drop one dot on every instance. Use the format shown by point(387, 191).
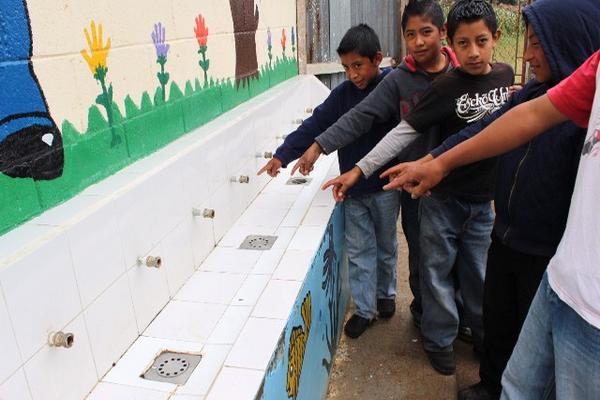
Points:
point(370, 239)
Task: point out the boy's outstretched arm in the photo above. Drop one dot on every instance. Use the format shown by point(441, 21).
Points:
point(381, 105)
point(298, 141)
point(516, 127)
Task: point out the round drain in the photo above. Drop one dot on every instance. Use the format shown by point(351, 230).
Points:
point(298, 181)
point(258, 242)
point(171, 367)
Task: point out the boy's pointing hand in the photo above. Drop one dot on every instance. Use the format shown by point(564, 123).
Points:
point(306, 163)
point(343, 183)
point(272, 167)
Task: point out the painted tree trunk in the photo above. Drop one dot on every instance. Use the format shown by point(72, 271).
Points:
point(245, 23)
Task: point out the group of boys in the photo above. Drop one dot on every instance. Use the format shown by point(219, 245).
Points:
point(468, 265)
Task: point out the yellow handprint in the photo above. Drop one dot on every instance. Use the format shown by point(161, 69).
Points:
point(98, 52)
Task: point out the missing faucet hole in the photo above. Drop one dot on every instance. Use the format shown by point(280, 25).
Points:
point(299, 181)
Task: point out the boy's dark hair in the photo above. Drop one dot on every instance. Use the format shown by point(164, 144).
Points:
point(423, 8)
point(471, 11)
point(360, 39)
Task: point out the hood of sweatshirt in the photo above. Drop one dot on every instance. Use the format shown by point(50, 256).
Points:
point(411, 64)
point(568, 32)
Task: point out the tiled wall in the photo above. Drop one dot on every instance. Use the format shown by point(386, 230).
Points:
point(105, 83)
point(74, 267)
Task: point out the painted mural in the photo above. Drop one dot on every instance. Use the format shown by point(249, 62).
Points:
point(122, 80)
point(300, 366)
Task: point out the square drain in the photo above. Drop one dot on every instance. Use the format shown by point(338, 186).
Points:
point(172, 367)
point(299, 181)
point(258, 242)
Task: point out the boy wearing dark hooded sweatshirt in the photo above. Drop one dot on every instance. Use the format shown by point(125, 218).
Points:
point(534, 184)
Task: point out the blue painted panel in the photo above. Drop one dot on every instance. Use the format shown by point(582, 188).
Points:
point(300, 366)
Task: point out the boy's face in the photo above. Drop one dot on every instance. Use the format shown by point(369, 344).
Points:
point(423, 40)
point(534, 55)
point(361, 70)
point(474, 45)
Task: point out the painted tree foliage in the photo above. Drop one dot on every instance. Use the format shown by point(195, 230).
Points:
point(245, 23)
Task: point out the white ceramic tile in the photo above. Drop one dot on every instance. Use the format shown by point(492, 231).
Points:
point(15, 387)
point(221, 202)
point(186, 321)
point(41, 294)
point(97, 252)
point(62, 213)
point(111, 325)
point(271, 201)
point(317, 216)
point(205, 373)
point(307, 238)
point(277, 299)
point(140, 356)
point(177, 259)
point(294, 217)
point(268, 261)
point(230, 325)
point(284, 237)
point(294, 265)
point(323, 198)
point(211, 287)
point(262, 217)
point(256, 344)
point(122, 180)
point(225, 259)
point(111, 391)
point(186, 397)
point(19, 238)
point(11, 359)
point(250, 290)
point(149, 291)
point(236, 235)
point(47, 370)
point(236, 383)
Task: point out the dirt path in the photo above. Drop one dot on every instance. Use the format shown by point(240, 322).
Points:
point(387, 362)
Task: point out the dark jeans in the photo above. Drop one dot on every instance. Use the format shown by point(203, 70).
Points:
point(511, 281)
point(409, 209)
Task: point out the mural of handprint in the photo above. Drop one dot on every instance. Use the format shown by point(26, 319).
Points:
point(30, 142)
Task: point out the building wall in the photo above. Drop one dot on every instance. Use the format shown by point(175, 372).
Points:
point(91, 86)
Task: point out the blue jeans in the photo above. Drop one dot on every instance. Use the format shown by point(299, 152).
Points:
point(371, 245)
point(454, 234)
point(557, 354)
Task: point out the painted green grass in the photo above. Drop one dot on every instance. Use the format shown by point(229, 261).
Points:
point(140, 130)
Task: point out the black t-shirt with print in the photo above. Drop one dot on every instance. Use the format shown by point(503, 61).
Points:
point(455, 100)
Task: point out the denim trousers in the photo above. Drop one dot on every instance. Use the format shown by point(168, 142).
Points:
point(557, 355)
point(454, 239)
point(409, 209)
point(372, 248)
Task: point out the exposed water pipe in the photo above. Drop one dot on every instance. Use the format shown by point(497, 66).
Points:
point(206, 213)
point(266, 154)
point(150, 261)
point(61, 339)
point(240, 179)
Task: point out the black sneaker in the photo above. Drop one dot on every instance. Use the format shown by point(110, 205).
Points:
point(356, 325)
point(386, 307)
point(442, 361)
point(477, 391)
point(416, 312)
point(465, 334)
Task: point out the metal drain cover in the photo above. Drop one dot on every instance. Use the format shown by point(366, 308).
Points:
point(299, 181)
point(172, 367)
point(258, 242)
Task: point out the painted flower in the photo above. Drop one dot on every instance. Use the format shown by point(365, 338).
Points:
point(96, 58)
point(293, 37)
point(269, 38)
point(283, 39)
point(158, 38)
point(201, 31)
